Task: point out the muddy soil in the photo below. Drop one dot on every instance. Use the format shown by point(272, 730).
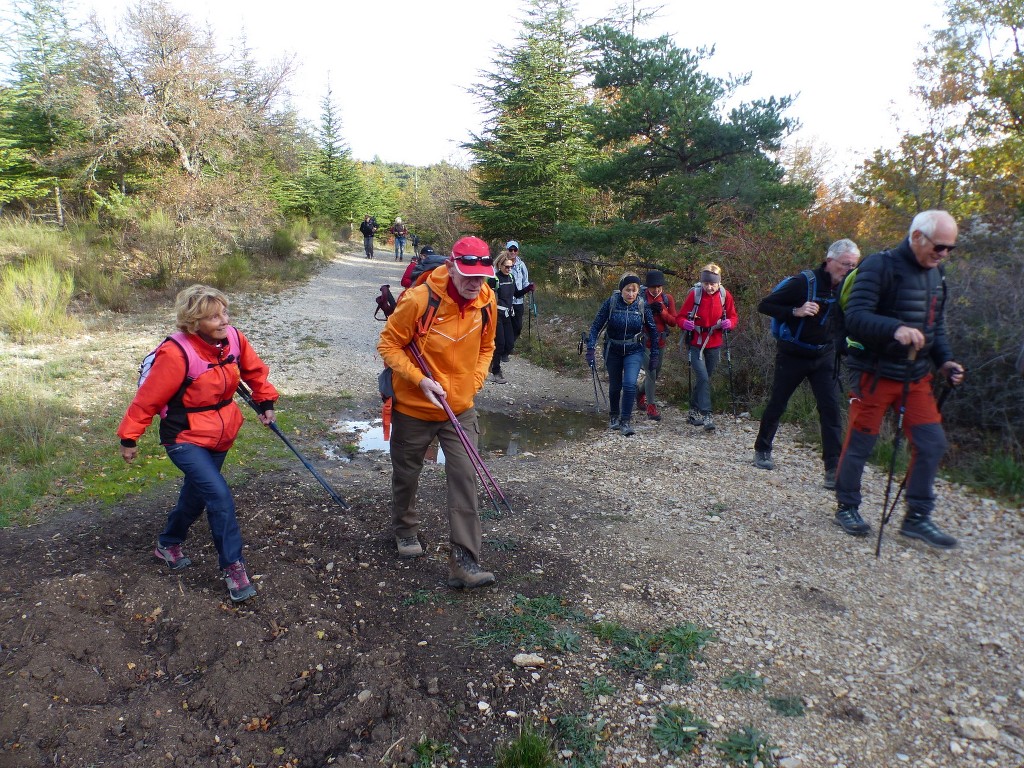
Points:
point(352, 657)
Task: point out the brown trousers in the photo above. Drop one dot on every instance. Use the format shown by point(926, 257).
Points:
point(410, 438)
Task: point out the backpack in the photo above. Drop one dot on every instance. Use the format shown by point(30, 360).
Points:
point(196, 366)
point(698, 293)
point(641, 304)
point(384, 378)
point(781, 330)
point(385, 303)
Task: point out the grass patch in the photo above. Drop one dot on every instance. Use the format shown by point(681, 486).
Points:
point(599, 686)
point(530, 622)
point(429, 751)
point(583, 736)
point(658, 655)
point(532, 748)
point(502, 545)
point(678, 730)
point(107, 289)
point(747, 747)
point(34, 300)
point(787, 706)
point(742, 681)
point(23, 241)
point(231, 271)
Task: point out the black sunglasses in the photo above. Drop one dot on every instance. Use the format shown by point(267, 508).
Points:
point(472, 261)
point(939, 247)
point(513, 248)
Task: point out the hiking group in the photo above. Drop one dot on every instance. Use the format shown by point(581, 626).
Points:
point(456, 322)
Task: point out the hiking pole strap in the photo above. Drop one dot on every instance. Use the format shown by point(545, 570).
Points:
point(246, 394)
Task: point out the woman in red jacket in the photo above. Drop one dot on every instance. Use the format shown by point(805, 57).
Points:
point(191, 385)
point(707, 313)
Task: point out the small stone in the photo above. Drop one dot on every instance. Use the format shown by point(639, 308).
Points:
point(528, 660)
point(483, 706)
point(977, 729)
point(364, 695)
point(791, 762)
point(955, 748)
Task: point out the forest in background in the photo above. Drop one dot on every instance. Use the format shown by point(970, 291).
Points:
point(161, 159)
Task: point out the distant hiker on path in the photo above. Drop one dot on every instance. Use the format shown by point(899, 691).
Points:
point(504, 288)
point(628, 320)
point(400, 231)
point(707, 313)
point(200, 424)
point(663, 308)
point(896, 331)
point(457, 342)
point(806, 349)
point(369, 229)
point(521, 277)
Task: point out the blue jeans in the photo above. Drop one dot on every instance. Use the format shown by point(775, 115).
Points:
point(204, 488)
point(700, 398)
point(399, 247)
point(623, 365)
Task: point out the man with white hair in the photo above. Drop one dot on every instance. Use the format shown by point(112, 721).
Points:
point(400, 231)
point(896, 333)
point(805, 308)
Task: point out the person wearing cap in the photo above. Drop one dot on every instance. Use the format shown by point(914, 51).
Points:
point(663, 307)
point(504, 288)
point(521, 277)
point(400, 231)
point(425, 261)
point(628, 319)
point(457, 345)
point(707, 313)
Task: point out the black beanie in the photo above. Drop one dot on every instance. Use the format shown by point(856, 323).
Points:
point(627, 279)
point(655, 278)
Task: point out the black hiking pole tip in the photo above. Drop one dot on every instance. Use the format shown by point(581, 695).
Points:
point(246, 394)
point(886, 510)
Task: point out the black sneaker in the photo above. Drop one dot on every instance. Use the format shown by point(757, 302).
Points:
point(927, 531)
point(627, 429)
point(763, 460)
point(830, 479)
point(613, 422)
point(848, 518)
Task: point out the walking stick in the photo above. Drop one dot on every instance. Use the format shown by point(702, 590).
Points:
point(475, 459)
point(728, 359)
point(599, 394)
point(246, 394)
point(886, 511)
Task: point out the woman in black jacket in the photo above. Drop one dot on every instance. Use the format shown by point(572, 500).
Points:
point(504, 288)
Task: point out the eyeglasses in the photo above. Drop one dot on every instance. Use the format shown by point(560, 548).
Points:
point(472, 261)
point(938, 247)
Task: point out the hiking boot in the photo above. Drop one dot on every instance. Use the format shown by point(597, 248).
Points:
point(708, 422)
point(613, 422)
point(408, 546)
point(848, 518)
point(763, 460)
point(652, 412)
point(464, 572)
point(504, 358)
point(830, 479)
point(627, 429)
point(237, 580)
point(175, 558)
point(641, 401)
point(915, 527)
point(497, 378)
point(694, 417)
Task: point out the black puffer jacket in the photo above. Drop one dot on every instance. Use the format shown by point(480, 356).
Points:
point(891, 289)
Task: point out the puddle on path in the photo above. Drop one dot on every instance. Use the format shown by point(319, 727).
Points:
point(501, 433)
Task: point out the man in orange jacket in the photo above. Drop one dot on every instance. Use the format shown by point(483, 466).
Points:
point(456, 340)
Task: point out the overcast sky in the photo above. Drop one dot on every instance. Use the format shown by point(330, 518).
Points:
point(399, 69)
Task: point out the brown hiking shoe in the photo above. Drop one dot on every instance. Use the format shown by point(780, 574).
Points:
point(408, 546)
point(464, 572)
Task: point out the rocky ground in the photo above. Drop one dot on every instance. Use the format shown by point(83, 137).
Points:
point(350, 656)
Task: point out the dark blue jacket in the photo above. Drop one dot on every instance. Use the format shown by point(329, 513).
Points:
point(626, 324)
point(891, 289)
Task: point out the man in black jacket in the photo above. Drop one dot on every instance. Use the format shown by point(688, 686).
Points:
point(896, 332)
point(369, 229)
point(808, 351)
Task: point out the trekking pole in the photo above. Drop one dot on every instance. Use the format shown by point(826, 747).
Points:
point(946, 391)
point(246, 394)
point(598, 390)
point(535, 312)
point(474, 455)
point(886, 512)
point(728, 360)
point(529, 322)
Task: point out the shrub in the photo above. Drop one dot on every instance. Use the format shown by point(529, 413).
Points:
point(531, 749)
point(107, 289)
point(28, 242)
point(232, 271)
point(34, 300)
point(283, 243)
point(30, 420)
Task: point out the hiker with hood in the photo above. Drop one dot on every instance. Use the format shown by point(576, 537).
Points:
point(426, 261)
point(807, 349)
point(896, 333)
point(504, 288)
point(706, 315)
point(369, 229)
point(199, 425)
point(450, 317)
point(663, 308)
point(628, 319)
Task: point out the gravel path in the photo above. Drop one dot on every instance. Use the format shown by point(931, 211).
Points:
point(911, 659)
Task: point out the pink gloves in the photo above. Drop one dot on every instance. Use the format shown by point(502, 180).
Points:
point(726, 323)
point(687, 325)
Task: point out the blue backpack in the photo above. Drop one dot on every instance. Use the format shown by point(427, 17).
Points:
point(781, 329)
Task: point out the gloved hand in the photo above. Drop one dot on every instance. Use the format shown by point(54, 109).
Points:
point(652, 367)
point(657, 307)
point(688, 325)
point(530, 287)
point(726, 324)
point(591, 357)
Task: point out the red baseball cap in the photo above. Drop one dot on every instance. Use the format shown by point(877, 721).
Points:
point(472, 258)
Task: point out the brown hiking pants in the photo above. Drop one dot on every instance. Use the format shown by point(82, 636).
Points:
point(410, 438)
